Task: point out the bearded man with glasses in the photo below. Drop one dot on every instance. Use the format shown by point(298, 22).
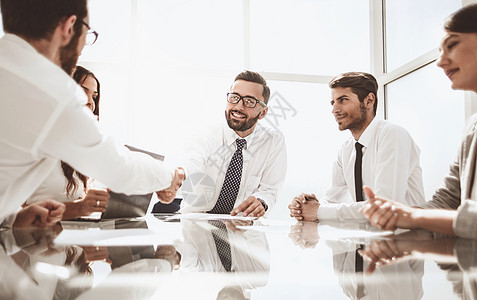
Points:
point(238, 167)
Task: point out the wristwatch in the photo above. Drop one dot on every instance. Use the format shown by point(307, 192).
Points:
point(263, 203)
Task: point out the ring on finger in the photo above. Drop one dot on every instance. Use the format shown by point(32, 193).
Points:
point(97, 203)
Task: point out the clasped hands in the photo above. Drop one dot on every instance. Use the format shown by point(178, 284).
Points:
point(387, 214)
point(382, 213)
point(304, 234)
point(304, 207)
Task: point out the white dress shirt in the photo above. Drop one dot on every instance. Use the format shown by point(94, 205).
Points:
point(264, 167)
point(249, 251)
point(43, 120)
point(390, 167)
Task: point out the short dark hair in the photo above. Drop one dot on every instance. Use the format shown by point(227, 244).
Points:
point(360, 83)
point(464, 20)
point(257, 78)
point(37, 19)
point(80, 74)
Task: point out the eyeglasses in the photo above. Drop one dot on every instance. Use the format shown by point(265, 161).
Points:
point(91, 34)
point(248, 101)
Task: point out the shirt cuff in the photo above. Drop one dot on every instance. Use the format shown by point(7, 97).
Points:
point(8, 221)
point(327, 212)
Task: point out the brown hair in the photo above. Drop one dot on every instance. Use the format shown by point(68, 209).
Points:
point(464, 20)
point(360, 83)
point(79, 76)
point(257, 78)
point(36, 19)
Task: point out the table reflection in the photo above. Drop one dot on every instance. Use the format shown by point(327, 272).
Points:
point(32, 265)
point(220, 246)
point(457, 257)
point(199, 259)
point(399, 281)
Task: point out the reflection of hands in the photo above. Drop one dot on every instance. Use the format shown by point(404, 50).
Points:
point(398, 248)
point(386, 214)
point(304, 207)
point(92, 253)
point(36, 240)
point(169, 253)
point(96, 200)
point(251, 207)
point(383, 252)
point(232, 224)
point(167, 195)
point(304, 234)
point(40, 214)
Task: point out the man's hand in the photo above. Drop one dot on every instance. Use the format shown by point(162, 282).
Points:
point(386, 214)
point(251, 207)
point(35, 240)
point(168, 195)
point(40, 214)
point(233, 224)
point(304, 234)
point(304, 207)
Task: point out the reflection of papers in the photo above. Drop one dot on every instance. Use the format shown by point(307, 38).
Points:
point(204, 216)
point(270, 226)
point(109, 224)
point(96, 237)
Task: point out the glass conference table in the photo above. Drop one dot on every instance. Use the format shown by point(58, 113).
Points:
point(158, 257)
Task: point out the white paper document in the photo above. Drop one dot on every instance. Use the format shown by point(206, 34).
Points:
point(205, 216)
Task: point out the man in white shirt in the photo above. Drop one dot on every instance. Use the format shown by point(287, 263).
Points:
point(217, 182)
point(44, 120)
point(390, 158)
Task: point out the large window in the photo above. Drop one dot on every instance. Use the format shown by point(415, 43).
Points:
point(425, 105)
point(418, 95)
point(413, 28)
point(309, 37)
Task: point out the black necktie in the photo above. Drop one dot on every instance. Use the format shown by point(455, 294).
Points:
point(358, 268)
point(228, 194)
point(221, 239)
point(358, 178)
point(358, 189)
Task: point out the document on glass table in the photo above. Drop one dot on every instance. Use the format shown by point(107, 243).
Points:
point(205, 216)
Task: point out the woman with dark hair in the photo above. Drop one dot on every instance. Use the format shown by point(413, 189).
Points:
point(64, 183)
point(453, 208)
point(90, 84)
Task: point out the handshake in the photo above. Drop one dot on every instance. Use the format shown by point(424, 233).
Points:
point(167, 195)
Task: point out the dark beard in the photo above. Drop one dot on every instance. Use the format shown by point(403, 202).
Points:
point(69, 54)
point(359, 123)
point(240, 126)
